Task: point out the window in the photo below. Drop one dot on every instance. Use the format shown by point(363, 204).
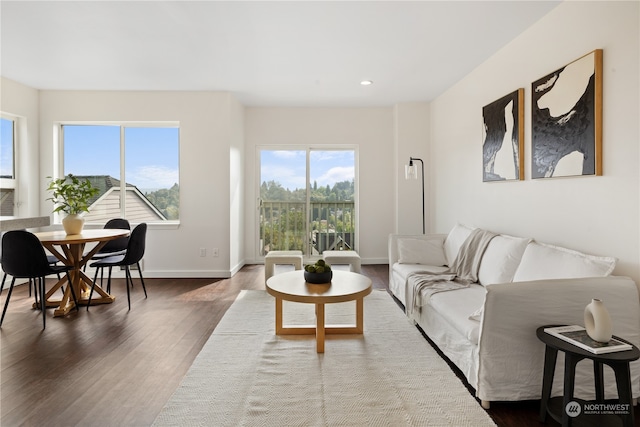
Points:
point(136, 168)
point(307, 200)
point(7, 165)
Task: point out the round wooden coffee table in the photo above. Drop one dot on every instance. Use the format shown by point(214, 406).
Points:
point(345, 286)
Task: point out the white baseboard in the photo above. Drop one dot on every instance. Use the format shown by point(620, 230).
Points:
point(363, 261)
point(237, 268)
point(169, 274)
point(194, 274)
point(201, 274)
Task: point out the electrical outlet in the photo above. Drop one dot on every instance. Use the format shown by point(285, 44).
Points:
point(215, 252)
point(203, 252)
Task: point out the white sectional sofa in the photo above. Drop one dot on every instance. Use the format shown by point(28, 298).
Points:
point(488, 330)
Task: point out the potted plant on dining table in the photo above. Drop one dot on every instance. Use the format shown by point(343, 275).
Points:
point(71, 195)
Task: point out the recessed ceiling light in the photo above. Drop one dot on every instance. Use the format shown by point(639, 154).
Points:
point(366, 82)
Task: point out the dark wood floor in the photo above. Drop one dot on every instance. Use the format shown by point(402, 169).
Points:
point(113, 367)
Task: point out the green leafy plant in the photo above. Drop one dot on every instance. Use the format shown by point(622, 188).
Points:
point(71, 194)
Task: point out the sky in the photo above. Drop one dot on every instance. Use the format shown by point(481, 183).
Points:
point(6, 147)
point(151, 154)
point(288, 167)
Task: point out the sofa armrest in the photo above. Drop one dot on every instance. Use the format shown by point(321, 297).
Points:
point(509, 351)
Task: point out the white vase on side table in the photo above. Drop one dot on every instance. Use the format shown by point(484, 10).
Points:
point(597, 321)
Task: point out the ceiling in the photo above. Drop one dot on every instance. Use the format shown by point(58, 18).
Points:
point(268, 53)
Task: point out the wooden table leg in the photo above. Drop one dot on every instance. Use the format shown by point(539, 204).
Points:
point(320, 328)
point(73, 256)
point(50, 292)
point(360, 315)
point(66, 303)
point(279, 328)
point(86, 283)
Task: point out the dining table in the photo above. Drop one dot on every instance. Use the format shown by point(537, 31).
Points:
point(70, 250)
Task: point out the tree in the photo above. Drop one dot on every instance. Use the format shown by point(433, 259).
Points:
point(273, 190)
point(166, 201)
point(283, 225)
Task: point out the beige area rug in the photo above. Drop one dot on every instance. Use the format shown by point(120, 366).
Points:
point(245, 375)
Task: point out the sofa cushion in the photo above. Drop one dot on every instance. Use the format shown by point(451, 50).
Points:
point(454, 241)
point(399, 274)
point(405, 269)
point(456, 306)
point(428, 250)
point(541, 261)
point(501, 259)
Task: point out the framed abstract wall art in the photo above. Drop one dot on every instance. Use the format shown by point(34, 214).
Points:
point(566, 120)
point(503, 138)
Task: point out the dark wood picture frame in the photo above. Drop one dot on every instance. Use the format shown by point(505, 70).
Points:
point(566, 120)
point(503, 138)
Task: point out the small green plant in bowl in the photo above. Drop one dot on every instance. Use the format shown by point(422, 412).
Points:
point(318, 273)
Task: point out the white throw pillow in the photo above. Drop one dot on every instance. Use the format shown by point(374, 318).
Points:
point(428, 251)
point(501, 259)
point(541, 261)
point(454, 241)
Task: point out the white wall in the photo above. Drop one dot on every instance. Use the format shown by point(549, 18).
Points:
point(598, 215)
point(22, 101)
point(411, 140)
point(236, 187)
point(210, 124)
point(369, 130)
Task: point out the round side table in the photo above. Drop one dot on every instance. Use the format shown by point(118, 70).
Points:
point(618, 361)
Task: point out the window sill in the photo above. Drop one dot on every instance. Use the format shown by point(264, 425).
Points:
point(168, 225)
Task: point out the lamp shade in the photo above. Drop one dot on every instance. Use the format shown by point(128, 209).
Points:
point(410, 171)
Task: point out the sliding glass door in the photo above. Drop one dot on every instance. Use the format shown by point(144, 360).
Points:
point(307, 200)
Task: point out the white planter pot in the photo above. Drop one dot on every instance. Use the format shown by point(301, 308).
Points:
point(73, 224)
point(597, 321)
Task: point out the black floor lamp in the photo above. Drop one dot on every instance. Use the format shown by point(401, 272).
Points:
point(411, 171)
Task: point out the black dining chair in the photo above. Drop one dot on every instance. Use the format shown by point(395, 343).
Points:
point(113, 247)
point(23, 257)
point(52, 260)
point(133, 255)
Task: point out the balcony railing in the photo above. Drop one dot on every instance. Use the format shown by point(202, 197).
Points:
point(289, 226)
